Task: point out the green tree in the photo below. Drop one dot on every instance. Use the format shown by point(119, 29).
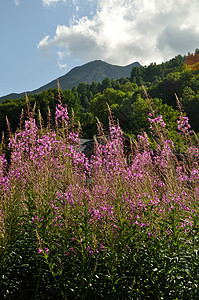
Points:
point(83, 94)
point(72, 101)
point(106, 83)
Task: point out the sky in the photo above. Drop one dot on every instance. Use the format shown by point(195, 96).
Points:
point(41, 40)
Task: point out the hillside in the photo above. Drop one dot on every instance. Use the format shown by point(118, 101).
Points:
point(124, 96)
point(93, 71)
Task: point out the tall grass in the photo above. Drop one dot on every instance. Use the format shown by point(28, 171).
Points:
point(103, 227)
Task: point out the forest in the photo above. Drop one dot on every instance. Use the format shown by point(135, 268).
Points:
point(124, 96)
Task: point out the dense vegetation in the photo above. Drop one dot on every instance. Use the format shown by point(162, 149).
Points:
point(73, 227)
point(125, 97)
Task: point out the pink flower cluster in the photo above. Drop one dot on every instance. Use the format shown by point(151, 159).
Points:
point(96, 199)
point(157, 120)
point(183, 125)
point(61, 114)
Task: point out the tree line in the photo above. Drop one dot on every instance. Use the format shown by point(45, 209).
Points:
point(125, 97)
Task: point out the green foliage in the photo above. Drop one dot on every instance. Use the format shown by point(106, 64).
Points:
point(153, 73)
point(124, 96)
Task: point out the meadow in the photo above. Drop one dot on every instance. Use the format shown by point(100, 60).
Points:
point(104, 227)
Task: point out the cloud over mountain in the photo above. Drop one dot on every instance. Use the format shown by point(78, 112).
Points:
point(121, 31)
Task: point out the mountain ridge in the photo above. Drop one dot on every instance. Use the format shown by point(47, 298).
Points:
point(96, 70)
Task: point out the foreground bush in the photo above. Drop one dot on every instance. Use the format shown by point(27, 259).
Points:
point(106, 227)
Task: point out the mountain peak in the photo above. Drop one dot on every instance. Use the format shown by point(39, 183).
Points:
point(96, 70)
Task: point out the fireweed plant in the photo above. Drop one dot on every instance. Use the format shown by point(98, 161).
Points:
point(103, 227)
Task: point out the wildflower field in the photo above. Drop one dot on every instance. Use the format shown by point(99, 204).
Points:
point(103, 227)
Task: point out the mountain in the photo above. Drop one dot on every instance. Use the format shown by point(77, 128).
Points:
point(93, 71)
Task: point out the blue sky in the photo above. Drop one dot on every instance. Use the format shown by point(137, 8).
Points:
point(43, 39)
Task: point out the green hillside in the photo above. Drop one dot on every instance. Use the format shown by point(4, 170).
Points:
point(93, 71)
point(125, 97)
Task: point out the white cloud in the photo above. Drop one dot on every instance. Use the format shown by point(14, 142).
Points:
point(61, 66)
point(51, 2)
point(16, 2)
point(75, 3)
point(122, 31)
point(43, 45)
point(60, 55)
point(60, 58)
